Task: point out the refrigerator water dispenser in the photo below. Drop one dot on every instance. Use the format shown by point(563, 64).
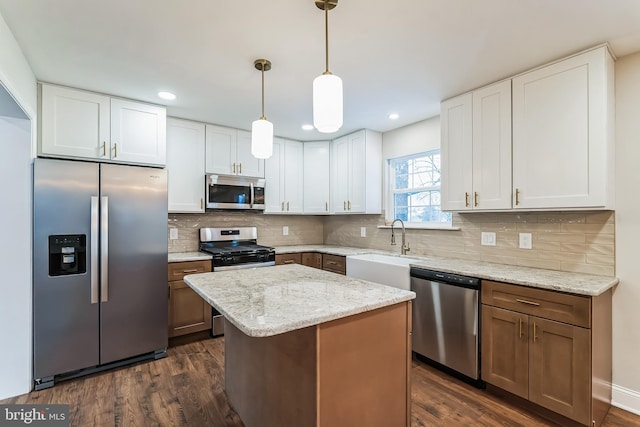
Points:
point(67, 254)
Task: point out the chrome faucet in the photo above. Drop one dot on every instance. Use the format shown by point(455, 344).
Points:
point(405, 246)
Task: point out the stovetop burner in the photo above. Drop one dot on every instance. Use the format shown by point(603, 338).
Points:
point(235, 247)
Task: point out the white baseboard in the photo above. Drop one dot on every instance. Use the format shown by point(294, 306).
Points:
point(626, 399)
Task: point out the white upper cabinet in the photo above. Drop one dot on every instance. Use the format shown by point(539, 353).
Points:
point(456, 150)
point(283, 175)
point(476, 149)
point(80, 124)
point(228, 152)
point(562, 134)
point(316, 169)
point(185, 165)
point(356, 173)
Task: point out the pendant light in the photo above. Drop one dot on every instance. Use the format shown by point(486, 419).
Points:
point(262, 129)
point(327, 87)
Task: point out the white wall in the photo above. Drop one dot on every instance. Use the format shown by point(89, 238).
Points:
point(411, 139)
point(17, 138)
point(626, 298)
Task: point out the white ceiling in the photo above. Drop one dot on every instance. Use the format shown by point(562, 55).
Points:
point(401, 56)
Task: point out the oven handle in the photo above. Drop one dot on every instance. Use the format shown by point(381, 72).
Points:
point(243, 266)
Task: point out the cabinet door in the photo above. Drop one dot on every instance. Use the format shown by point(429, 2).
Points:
point(316, 179)
point(560, 368)
point(312, 259)
point(274, 188)
point(292, 176)
point(492, 147)
point(138, 132)
point(340, 175)
point(247, 164)
point(74, 123)
point(220, 151)
point(357, 172)
point(560, 134)
point(188, 312)
point(185, 165)
point(505, 350)
point(456, 152)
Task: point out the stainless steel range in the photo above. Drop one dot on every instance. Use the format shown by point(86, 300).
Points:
point(234, 248)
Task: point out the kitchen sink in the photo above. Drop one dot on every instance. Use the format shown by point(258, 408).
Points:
point(379, 268)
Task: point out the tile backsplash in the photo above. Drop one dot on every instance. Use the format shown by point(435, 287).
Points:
point(566, 241)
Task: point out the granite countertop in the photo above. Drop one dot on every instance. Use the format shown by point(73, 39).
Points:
point(189, 256)
point(263, 302)
point(575, 283)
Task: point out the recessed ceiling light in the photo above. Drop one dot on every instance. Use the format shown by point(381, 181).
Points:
point(307, 127)
point(167, 95)
point(394, 116)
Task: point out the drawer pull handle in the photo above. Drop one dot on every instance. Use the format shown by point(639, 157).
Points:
point(520, 333)
point(289, 261)
point(195, 270)
point(332, 263)
point(535, 332)
point(524, 301)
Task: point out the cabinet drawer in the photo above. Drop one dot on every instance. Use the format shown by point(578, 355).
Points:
point(559, 306)
point(334, 263)
point(312, 259)
point(288, 259)
point(177, 270)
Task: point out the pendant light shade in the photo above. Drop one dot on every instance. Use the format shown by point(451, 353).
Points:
point(262, 129)
point(327, 87)
point(262, 138)
point(327, 103)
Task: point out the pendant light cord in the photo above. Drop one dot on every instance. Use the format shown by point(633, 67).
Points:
point(262, 71)
point(326, 32)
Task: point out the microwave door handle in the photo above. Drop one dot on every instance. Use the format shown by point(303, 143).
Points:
point(252, 196)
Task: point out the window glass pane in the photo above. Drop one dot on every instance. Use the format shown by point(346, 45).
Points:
point(401, 169)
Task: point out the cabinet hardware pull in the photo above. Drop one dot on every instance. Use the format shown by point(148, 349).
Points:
point(289, 261)
point(287, 206)
point(240, 168)
point(234, 168)
point(349, 204)
point(344, 206)
point(535, 332)
point(520, 333)
point(524, 301)
point(115, 150)
point(475, 199)
point(104, 148)
point(517, 196)
point(201, 203)
point(326, 206)
point(195, 270)
point(169, 296)
point(282, 207)
point(332, 263)
point(466, 199)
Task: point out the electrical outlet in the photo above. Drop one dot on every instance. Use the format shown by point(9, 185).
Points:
point(525, 241)
point(173, 233)
point(285, 230)
point(363, 231)
point(488, 238)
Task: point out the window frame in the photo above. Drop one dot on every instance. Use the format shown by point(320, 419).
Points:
point(391, 191)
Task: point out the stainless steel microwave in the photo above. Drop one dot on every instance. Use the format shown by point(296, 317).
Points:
point(234, 192)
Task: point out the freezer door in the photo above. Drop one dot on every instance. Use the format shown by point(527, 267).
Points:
point(134, 261)
point(65, 306)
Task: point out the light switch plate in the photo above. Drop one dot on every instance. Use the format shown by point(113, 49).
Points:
point(363, 231)
point(285, 230)
point(173, 233)
point(488, 238)
point(525, 241)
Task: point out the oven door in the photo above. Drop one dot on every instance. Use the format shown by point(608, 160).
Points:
point(232, 192)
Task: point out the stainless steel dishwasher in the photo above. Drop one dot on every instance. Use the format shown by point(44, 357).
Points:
point(446, 321)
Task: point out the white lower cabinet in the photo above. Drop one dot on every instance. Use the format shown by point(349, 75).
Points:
point(284, 176)
point(185, 165)
point(81, 124)
point(316, 171)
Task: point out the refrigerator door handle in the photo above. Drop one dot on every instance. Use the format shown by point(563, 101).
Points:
point(94, 249)
point(104, 248)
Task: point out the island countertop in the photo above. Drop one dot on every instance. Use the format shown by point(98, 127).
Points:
point(268, 301)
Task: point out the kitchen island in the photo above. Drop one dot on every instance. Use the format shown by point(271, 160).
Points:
point(307, 347)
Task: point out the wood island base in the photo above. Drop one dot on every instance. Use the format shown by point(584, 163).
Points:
point(346, 372)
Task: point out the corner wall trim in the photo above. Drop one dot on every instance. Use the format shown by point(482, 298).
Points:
point(626, 399)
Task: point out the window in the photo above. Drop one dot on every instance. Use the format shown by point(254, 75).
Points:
point(415, 189)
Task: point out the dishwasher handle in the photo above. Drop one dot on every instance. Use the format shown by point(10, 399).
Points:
point(446, 278)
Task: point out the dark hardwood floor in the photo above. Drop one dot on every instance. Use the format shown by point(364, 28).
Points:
point(186, 389)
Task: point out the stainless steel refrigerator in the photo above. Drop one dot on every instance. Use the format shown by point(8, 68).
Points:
point(99, 267)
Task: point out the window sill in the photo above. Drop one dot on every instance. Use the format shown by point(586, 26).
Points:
point(424, 227)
